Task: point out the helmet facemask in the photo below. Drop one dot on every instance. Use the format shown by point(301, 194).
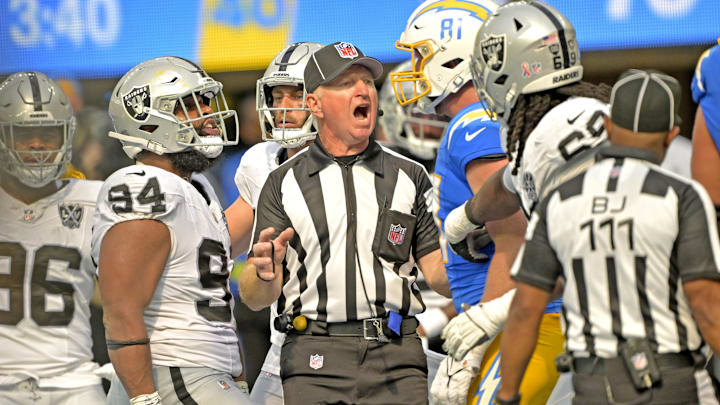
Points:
point(286, 137)
point(210, 145)
point(36, 168)
point(406, 126)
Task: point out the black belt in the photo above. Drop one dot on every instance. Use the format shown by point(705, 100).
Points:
point(597, 365)
point(365, 328)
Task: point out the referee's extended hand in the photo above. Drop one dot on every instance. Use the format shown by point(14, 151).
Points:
point(270, 253)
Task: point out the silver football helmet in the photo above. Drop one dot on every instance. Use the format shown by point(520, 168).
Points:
point(286, 69)
point(30, 102)
point(524, 47)
point(397, 121)
point(438, 35)
point(144, 104)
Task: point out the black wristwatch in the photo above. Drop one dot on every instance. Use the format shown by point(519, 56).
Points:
point(512, 401)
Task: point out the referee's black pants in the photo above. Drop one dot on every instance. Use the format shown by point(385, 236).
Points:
point(353, 370)
point(680, 385)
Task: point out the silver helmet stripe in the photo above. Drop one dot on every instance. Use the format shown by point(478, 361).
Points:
point(560, 30)
point(35, 88)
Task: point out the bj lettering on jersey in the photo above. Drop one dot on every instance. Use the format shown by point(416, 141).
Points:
point(602, 204)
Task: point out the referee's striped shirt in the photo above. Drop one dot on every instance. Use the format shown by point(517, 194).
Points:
point(334, 205)
point(624, 235)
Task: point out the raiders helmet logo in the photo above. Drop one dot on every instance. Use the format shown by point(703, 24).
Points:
point(137, 102)
point(70, 215)
point(493, 51)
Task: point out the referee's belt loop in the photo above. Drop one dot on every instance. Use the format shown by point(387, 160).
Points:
point(361, 328)
point(599, 365)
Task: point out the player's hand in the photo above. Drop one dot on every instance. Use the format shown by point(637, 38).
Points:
point(452, 382)
point(477, 325)
point(471, 247)
point(267, 254)
point(146, 399)
point(457, 224)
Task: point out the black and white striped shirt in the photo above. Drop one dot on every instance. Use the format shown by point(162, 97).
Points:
point(624, 235)
point(335, 206)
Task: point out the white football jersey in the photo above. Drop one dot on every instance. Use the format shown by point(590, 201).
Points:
point(254, 168)
point(189, 320)
point(46, 282)
point(568, 129)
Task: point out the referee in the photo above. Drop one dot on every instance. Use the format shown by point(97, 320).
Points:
point(637, 248)
point(356, 217)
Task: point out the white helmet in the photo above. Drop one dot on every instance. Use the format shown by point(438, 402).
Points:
point(396, 121)
point(524, 47)
point(439, 36)
point(31, 99)
point(144, 102)
point(287, 69)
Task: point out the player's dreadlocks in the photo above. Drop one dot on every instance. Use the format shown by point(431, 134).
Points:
point(530, 108)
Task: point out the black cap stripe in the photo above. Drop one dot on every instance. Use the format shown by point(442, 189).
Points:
point(560, 30)
point(286, 57)
point(35, 88)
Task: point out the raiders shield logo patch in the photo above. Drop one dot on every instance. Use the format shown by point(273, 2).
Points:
point(70, 215)
point(137, 102)
point(493, 51)
point(396, 236)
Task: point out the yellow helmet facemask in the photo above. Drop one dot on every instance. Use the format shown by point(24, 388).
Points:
point(420, 52)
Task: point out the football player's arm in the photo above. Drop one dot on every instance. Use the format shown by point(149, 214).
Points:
point(535, 272)
point(240, 221)
point(132, 259)
point(507, 232)
point(520, 336)
point(705, 161)
point(433, 269)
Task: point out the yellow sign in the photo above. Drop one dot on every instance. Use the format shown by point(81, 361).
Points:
point(243, 34)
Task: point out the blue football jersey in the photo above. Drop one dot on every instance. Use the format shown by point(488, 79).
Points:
point(470, 135)
point(706, 90)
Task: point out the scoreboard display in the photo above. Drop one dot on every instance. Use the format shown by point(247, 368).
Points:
point(104, 38)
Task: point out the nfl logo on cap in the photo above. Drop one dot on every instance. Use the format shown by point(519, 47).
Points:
point(346, 50)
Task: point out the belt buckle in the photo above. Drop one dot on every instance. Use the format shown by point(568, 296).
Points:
point(377, 324)
point(371, 322)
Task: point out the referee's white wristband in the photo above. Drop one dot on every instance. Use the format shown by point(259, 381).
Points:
point(146, 399)
point(433, 321)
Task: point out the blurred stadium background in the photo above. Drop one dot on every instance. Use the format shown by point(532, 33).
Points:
point(89, 44)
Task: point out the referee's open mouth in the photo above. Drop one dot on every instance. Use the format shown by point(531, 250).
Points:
point(362, 112)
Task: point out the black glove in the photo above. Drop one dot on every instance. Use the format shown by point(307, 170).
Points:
point(469, 248)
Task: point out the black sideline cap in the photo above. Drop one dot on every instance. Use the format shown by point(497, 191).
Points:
point(645, 101)
point(330, 61)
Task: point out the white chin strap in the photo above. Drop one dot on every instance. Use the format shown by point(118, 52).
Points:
point(212, 150)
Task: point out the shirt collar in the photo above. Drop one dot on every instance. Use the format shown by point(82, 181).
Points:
point(372, 157)
point(612, 151)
